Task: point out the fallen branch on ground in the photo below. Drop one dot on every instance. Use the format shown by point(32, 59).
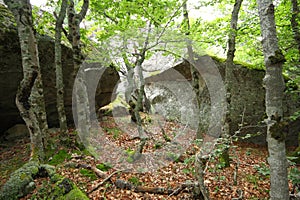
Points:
point(102, 182)
point(121, 184)
point(97, 171)
point(125, 185)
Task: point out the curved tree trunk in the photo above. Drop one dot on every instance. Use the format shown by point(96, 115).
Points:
point(29, 98)
point(274, 85)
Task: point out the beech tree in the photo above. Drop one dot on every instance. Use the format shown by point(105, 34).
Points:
point(140, 28)
point(82, 117)
point(274, 85)
point(295, 24)
point(229, 76)
point(200, 161)
point(29, 98)
point(58, 66)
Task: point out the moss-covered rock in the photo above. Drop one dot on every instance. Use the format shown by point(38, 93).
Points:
point(76, 194)
point(20, 182)
point(65, 189)
point(7, 22)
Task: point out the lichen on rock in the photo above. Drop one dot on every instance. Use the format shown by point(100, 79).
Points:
point(7, 22)
point(20, 182)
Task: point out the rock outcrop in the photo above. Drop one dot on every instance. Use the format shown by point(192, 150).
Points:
point(247, 100)
point(11, 75)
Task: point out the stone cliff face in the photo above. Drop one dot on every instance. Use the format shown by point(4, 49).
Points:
point(247, 100)
point(11, 75)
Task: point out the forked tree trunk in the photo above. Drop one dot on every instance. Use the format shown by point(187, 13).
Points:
point(58, 66)
point(274, 85)
point(29, 98)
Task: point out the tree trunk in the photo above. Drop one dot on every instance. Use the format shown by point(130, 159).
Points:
point(58, 67)
point(295, 24)
point(229, 77)
point(29, 98)
point(80, 97)
point(129, 77)
point(274, 85)
point(201, 192)
point(195, 74)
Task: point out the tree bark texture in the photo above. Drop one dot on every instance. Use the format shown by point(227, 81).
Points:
point(29, 98)
point(130, 79)
point(295, 24)
point(82, 115)
point(195, 74)
point(201, 192)
point(229, 76)
point(274, 85)
point(58, 67)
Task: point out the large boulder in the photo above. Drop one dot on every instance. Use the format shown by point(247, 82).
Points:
point(11, 75)
point(247, 100)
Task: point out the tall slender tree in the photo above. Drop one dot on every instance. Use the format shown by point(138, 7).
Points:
point(295, 23)
point(200, 162)
point(80, 89)
point(58, 67)
point(29, 98)
point(229, 77)
point(274, 85)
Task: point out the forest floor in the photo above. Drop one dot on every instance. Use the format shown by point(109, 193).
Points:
point(248, 171)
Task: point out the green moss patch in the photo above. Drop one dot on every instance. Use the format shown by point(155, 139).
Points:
point(104, 166)
point(63, 189)
point(89, 173)
point(7, 21)
point(135, 181)
point(237, 62)
point(60, 157)
point(76, 194)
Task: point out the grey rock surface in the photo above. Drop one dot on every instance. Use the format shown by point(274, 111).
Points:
point(247, 100)
point(11, 75)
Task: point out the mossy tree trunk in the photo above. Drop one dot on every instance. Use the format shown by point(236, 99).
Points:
point(58, 67)
point(29, 98)
point(229, 78)
point(274, 84)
